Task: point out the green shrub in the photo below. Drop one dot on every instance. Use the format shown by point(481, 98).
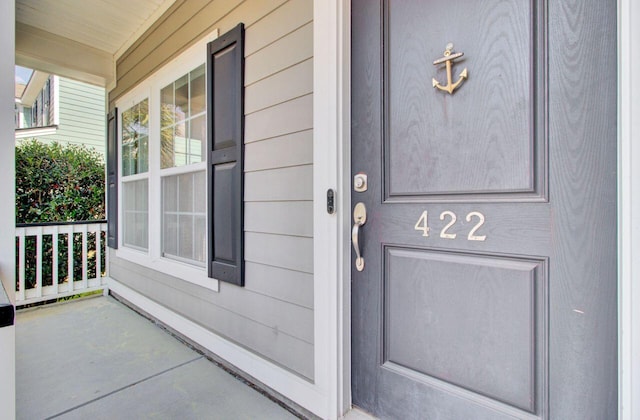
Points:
point(56, 183)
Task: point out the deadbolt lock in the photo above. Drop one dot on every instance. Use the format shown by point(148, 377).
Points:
point(360, 182)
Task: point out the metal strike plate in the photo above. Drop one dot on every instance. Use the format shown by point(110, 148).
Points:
point(360, 182)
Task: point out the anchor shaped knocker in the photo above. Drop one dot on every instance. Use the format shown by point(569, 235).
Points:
point(447, 59)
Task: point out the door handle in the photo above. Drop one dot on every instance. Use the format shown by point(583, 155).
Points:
point(359, 219)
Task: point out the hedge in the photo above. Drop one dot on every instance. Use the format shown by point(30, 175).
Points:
point(58, 183)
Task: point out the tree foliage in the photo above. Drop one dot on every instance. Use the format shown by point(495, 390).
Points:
point(58, 183)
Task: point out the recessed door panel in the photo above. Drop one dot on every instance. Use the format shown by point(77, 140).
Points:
point(432, 147)
point(468, 320)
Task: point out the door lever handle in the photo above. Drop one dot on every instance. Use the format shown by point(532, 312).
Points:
point(359, 219)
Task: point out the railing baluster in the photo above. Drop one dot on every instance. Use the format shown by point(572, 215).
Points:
point(39, 262)
point(70, 259)
point(103, 228)
point(21, 261)
point(98, 253)
point(84, 256)
point(54, 260)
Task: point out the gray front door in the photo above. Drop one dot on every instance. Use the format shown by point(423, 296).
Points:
point(489, 282)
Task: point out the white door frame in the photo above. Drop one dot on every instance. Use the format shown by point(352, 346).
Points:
point(629, 208)
point(332, 170)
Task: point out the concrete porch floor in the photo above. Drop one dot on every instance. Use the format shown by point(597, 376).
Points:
point(97, 359)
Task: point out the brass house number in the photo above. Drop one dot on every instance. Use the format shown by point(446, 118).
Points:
point(422, 225)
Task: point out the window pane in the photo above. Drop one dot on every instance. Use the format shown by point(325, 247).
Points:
point(197, 135)
point(166, 148)
point(183, 136)
point(185, 191)
point(170, 234)
point(184, 230)
point(136, 214)
point(143, 119)
point(143, 154)
point(198, 93)
point(135, 143)
point(185, 238)
point(182, 98)
point(167, 117)
point(180, 145)
point(200, 191)
point(200, 239)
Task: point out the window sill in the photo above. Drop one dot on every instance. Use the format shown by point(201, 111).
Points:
point(182, 271)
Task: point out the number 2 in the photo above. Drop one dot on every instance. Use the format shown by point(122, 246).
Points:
point(443, 233)
point(472, 236)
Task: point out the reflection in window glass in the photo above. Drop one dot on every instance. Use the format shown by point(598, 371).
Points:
point(135, 139)
point(184, 217)
point(183, 121)
point(136, 214)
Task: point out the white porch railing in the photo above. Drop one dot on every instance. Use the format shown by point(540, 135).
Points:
point(43, 249)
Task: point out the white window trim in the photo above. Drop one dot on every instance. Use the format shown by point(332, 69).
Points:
point(55, 94)
point(150, 88)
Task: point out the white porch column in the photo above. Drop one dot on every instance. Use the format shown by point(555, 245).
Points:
point(7, 202)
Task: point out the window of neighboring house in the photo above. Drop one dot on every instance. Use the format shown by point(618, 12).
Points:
point(43, 111)
point(41, 107)
point(163, 181)
point(135, 182)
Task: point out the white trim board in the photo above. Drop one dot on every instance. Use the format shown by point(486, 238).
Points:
point(628, 208)
point(331, 170)
point(288, 384)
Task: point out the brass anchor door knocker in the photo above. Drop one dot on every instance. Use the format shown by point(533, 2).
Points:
point(448, 59)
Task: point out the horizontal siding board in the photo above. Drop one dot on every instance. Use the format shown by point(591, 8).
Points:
point(278, 152)
point(270, 341)
point(292, 49)
point(162, 31)
point(286, 118)
point(281, 217)
point(89, 124)
point(288, 285)
point(288, 84)
point(131, 70)
point(75, 102)
point(292, 252)
point(282, 21)
point(285, 184)
point(288, 318)
point(90, 98)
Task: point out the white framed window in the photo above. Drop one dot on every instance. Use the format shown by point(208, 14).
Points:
point(163, 184)
point(134, 135)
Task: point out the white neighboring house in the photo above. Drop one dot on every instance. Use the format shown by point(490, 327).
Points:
point(52, 108)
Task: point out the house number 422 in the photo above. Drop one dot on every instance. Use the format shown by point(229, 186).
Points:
point(422, 225)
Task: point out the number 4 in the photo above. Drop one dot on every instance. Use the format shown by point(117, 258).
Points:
point(423, 224)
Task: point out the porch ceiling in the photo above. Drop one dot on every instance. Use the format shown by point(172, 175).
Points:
point(81, 39)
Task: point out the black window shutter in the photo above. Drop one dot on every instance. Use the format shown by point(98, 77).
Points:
point(225, 118)
point(112, 179)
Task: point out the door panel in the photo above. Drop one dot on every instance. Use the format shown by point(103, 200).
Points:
point(456, 303)
point(489, 284)
point(451, 154)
